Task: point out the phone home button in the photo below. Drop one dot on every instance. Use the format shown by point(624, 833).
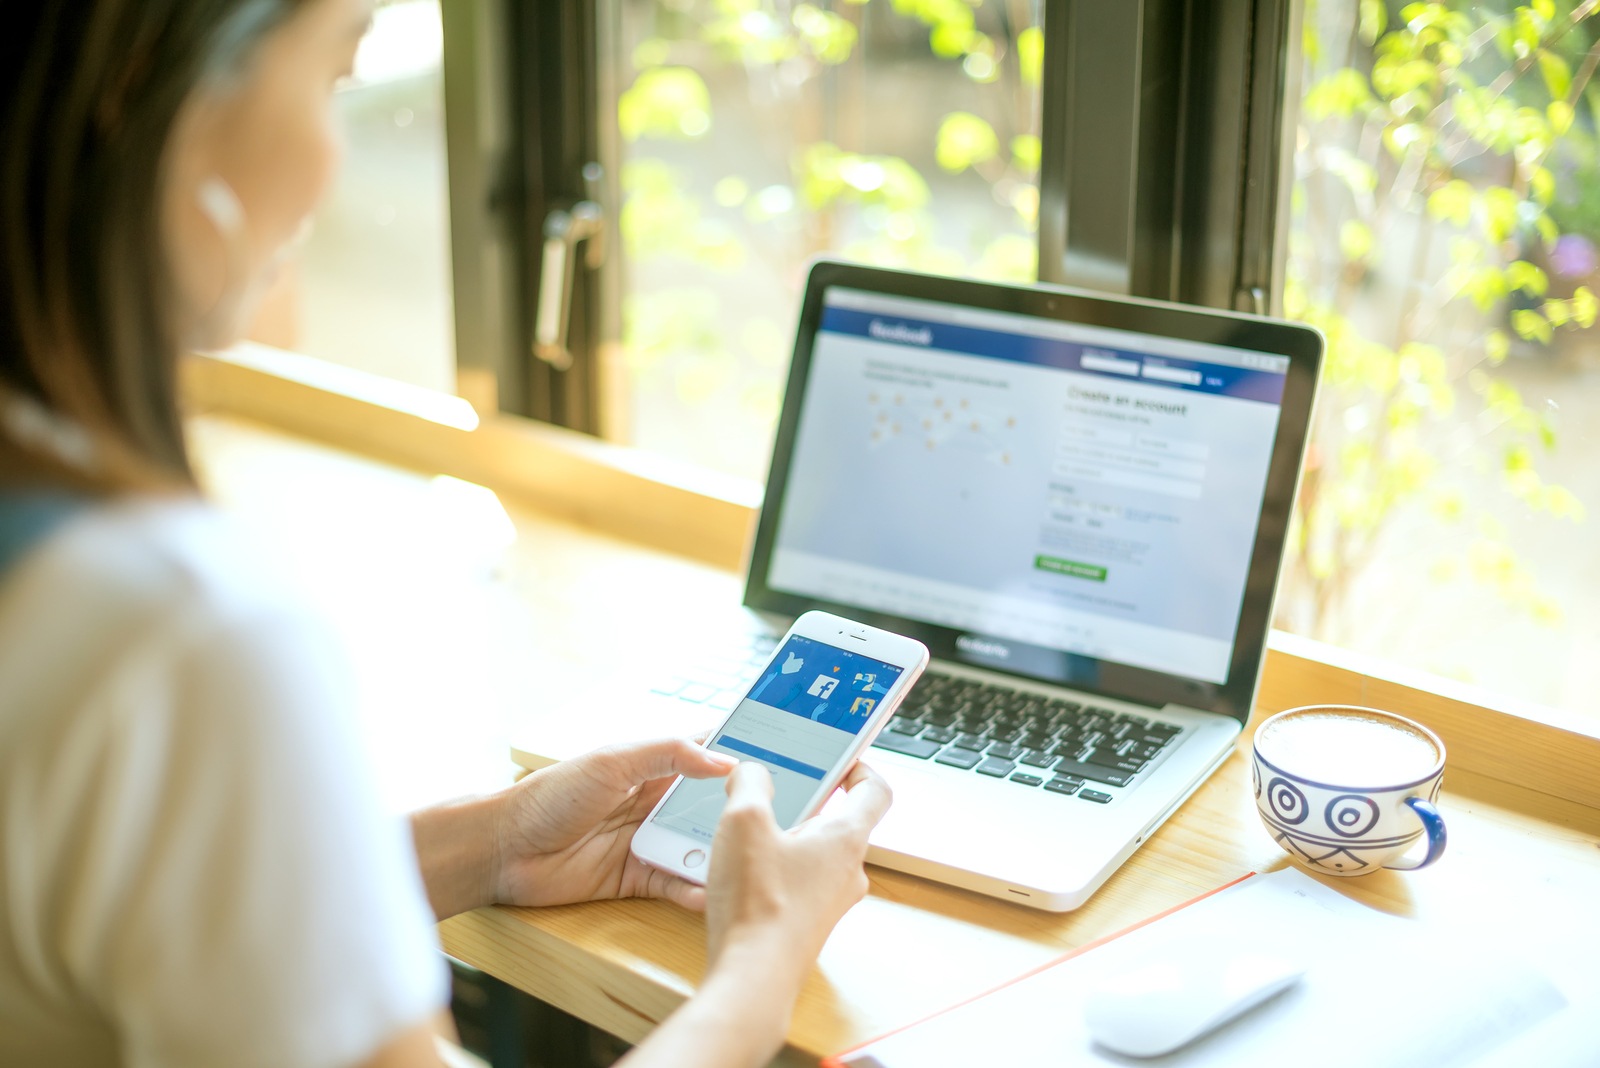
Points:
point(694, 858)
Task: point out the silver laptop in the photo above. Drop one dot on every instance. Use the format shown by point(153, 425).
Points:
point(1077, 502)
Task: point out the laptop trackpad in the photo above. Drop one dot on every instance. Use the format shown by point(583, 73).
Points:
point(1001, 830)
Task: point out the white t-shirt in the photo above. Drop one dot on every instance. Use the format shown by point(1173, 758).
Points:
point(194, 865)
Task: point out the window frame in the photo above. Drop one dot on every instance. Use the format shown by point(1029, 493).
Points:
point(1185, 103)
point(521, 126)
point(1180, 197)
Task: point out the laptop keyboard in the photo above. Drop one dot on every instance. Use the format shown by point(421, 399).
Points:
point(1065, 747)
point(1062, 746)
point(726, 676)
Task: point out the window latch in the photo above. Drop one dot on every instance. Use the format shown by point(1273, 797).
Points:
point(564, 230)
point(1253, 299)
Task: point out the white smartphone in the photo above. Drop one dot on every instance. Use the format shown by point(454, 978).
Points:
point(815, 707)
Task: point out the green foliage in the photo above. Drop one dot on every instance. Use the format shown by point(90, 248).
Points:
point(1030, 56)
point(952, 27)
point(668, 323)
point(665, 102)
point(658, 219)
point(672, 215)
point(1425, 212)
point(829, 37)
point(748, 31)
point(1026, 153)
point(964, 140)
point(829, 175)
point(1010, 258)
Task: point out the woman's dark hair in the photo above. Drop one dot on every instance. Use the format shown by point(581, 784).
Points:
point(90, 91)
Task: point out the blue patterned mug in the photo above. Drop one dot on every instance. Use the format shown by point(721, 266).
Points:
point(1348, 790)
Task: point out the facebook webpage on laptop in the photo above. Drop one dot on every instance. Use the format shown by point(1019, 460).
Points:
point(1063, 490)
point(1077, 502)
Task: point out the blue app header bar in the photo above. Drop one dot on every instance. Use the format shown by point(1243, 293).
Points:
point(824, 684)
point(1196, 376)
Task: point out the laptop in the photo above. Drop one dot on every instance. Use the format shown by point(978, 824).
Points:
point(1077, 502)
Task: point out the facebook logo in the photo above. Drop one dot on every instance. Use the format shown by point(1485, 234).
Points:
point(823, 686)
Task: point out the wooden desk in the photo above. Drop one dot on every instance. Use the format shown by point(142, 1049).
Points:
point(1520, 866)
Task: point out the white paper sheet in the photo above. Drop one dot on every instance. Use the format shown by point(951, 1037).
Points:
point(1379, 991)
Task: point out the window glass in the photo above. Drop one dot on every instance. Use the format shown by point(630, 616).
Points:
point(1446, 237)
point(756, 134)
point(371, 287)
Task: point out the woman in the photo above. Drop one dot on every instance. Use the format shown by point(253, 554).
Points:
point(193, 870)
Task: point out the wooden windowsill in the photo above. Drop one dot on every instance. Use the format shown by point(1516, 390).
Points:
point(1524, 757)
point(634, 494)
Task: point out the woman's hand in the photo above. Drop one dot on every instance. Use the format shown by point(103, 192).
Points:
point(773, 898)
point(563, 832)
point(778, 894)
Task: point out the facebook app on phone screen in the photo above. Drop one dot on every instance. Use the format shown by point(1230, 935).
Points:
point(799, 719)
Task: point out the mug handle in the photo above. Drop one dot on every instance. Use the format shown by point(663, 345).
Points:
point(1433, 824)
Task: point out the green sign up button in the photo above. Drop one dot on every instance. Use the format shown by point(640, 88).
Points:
point(1070, 567)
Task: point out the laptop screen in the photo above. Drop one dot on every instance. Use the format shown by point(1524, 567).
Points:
point(1046, 487)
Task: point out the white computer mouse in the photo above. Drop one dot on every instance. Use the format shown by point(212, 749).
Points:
point(1168, 1000)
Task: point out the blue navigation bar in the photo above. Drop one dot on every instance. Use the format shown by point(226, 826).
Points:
point(1100, 360)
point(776, 759)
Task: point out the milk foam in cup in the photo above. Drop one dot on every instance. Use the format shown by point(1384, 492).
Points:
point(1348, 790)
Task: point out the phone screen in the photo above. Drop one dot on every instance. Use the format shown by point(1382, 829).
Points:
point(799, 719)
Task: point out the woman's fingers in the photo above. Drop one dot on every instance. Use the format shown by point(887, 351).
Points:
point(639, 762)
point(680, 892)
point(749, 793)
point(702, 763)
point(858, 774)
point(750, 783)
point(866, 800)
point(646, 796)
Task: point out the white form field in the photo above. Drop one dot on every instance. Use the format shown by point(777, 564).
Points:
point(1109, 363)
point(1162, 373)
point(789, 733)
point(1135, 459)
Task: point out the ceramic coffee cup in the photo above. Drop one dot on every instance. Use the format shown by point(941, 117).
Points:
point(1348, 790)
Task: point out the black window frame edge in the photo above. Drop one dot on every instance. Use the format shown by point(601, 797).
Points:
point(483, 250)
point(521, 126)
point(1165, 147)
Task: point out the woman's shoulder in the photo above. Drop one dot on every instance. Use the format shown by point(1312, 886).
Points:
point(174, 734)
point(144, 560)
point(138, 590)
